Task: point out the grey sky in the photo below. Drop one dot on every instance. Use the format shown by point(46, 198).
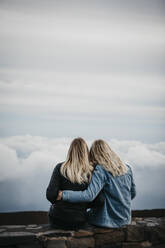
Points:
point(82, 68)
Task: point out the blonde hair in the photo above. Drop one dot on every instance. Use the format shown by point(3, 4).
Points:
point(101, 153)
point(77, 168)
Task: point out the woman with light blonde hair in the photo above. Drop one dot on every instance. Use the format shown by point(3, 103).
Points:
point(77, 167)
point(115, 179)
point(101, 153)
point(74, 174)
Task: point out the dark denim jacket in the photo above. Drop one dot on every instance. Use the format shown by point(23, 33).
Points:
point(118, 192)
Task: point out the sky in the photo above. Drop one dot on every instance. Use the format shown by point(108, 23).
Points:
point(93, 69)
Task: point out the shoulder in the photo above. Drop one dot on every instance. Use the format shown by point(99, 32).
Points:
point(57, 168)
point(98, 167)
point(129, 167)
point(100, 170)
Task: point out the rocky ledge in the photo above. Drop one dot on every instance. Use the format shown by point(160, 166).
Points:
point(142, 232)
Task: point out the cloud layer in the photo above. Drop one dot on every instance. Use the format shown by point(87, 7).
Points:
point(28, 161)
point(88, 66)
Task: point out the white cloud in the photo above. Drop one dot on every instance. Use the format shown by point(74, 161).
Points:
point(101, 94)
point(29, 153)
point(146, 156)
point(29, 160)
point(9, 162)
point(23, 155)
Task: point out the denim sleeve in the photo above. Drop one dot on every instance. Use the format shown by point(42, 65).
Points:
point(133, 188)
point(98, 201)
point(88, 195)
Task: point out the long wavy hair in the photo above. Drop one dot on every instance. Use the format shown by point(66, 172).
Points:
point(101, 153)
point(77, 168)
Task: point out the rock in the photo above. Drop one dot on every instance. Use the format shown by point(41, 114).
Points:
point(159, 246)
point(113, 236)
point(137, 244)
point(83, 233)
point(56, 233)
point(12, 238)
point(56, 242)
point(138, 218)
point(34, 229)
point(135, 233)
point(141, 222)
point(13, 226)
point(142, 233)
point(156, 234)
point(80, 243)
point(146, 244)
point(31, 226)
point(112, 245)
point(31, 245)
point(152, 224)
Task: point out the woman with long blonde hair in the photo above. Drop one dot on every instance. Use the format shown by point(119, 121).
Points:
point(101, 153)
point(74, 174)
point(115, 179)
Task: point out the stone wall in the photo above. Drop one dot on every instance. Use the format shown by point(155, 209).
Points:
point(41, 217)
point(143, 232)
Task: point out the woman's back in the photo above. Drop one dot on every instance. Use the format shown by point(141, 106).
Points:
point(65, 213)
point(74, 174)
point(118, 192)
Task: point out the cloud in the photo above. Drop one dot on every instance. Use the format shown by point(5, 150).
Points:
point(27, 164)
point(73, 60)
point(83, 37)
point(28, 161)
point(62, 104)
point(9, 161)
point(147, 156)
point(103, 94)
point(24, 155)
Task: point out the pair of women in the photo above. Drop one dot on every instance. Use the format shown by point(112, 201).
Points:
point(95, 180)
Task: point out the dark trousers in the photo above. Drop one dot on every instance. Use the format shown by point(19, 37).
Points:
point(56, 221)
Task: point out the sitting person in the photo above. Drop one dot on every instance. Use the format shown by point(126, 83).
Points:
point(74, 174)
point(115, 179)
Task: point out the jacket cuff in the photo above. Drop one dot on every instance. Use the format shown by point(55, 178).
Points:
point(65, 196)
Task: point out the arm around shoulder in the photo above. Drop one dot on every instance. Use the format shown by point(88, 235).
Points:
point(88, 195)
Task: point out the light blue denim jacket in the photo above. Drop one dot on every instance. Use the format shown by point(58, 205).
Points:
point(118, 192)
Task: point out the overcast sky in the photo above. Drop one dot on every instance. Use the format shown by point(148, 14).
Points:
point(82, 68)
point(86, 68)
